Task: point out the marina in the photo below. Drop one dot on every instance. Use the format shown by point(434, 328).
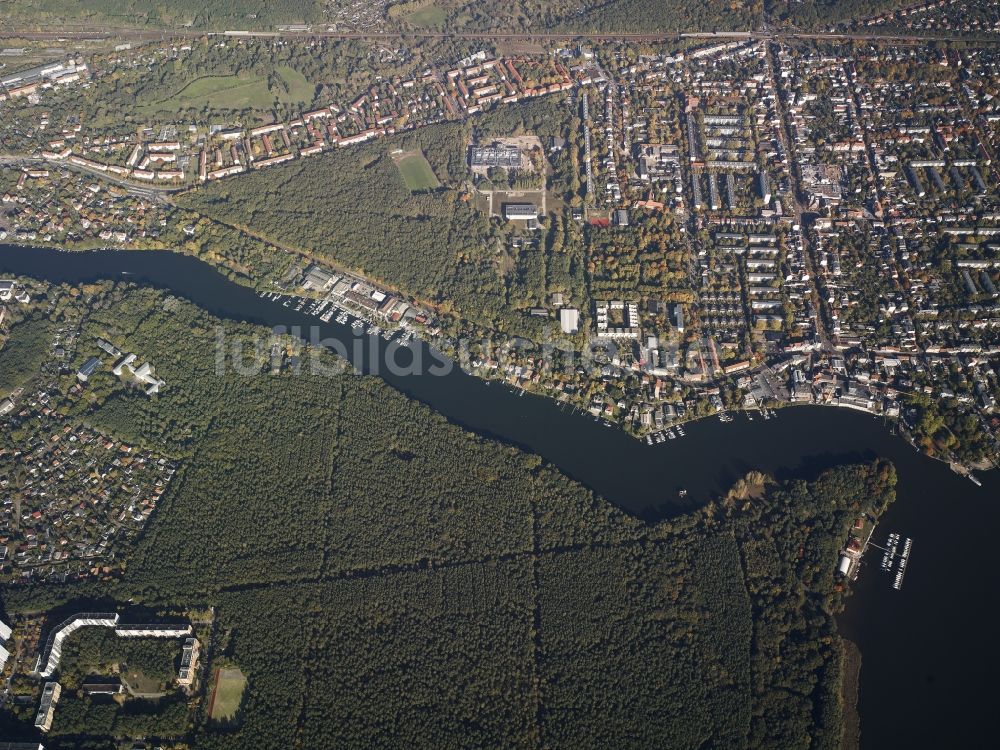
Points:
point(895, 557)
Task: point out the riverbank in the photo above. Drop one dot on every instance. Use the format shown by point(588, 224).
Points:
point(850, 694)
point(527, 369)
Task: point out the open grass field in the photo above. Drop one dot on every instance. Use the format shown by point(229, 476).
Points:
point(421, 13)
point(416, 171)
point(232, 92)
point(141, 684)
point(227, 694)
point(429, 16)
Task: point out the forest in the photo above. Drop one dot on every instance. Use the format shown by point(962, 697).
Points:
point(216, 14)
point(826, 14)
point(382, 576)
point(23, 353)
point(469, 16)
point(353, 208)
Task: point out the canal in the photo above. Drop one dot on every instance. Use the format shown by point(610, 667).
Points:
point(928, 669)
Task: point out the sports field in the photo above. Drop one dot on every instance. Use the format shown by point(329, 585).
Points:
point(227, 694)
point(416, 171)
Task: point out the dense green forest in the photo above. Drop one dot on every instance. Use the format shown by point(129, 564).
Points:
point(23, 353)
point(572, 15)
point(215, 14)
point(374, 595)
point(824, 14)
point(623, 16)
point(462, 15)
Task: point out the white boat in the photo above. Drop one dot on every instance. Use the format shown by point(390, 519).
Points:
point(680, 431)
point(671, 435)
point(649, 439)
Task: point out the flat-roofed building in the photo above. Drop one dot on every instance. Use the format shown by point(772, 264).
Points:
point(569, 320)
point(87, 369)
point(102, 686)
point(48, 659)
point(47, 708)
point(319, 278)
point(520, 211)
point(152, 630)
point(189, 662)
point(496, 155)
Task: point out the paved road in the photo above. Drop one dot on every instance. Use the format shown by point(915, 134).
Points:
point(19, 160)
point(149, 192)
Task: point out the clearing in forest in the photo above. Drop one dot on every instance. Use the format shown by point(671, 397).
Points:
point(416, 171)
point(227, 694)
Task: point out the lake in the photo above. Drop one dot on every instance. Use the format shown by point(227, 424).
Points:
point(928, 669)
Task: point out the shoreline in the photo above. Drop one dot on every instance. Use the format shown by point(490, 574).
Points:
point(962, 469)
point(850, 692)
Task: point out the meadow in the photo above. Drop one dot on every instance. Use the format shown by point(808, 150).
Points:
point(416, 171)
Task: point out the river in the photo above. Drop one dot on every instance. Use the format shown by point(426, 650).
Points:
point(928, 670)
